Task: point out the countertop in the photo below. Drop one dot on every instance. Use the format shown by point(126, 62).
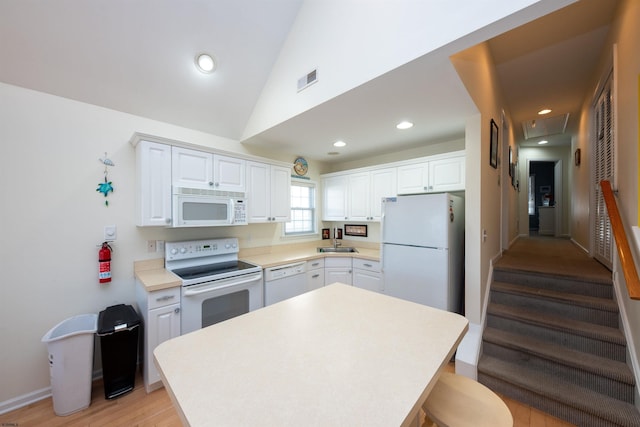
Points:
point(338, 355)
point(153, 276)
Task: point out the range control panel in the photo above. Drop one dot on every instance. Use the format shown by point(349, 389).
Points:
point(200, 248)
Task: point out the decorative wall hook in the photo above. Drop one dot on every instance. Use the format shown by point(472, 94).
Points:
point(105, 187)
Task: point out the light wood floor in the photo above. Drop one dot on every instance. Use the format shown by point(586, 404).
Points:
point(155, 409)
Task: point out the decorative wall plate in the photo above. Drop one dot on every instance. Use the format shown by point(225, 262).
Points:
point(300, 166)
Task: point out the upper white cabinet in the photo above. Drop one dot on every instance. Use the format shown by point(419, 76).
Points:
point(444, 173)
point(334, 202)
point(153, 184)
point(447, 174)
point(383, 184)
point(365, 191)
point(200, 169)
point(268, 192)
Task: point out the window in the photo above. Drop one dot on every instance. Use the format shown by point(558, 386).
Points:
point(303, 209)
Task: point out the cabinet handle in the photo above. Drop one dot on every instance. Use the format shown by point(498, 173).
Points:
point(165, 298)
point(315, 276)
point(315, 264)
point(177, 310)
point(211, 183)
point(168, 220)
point(367, 265)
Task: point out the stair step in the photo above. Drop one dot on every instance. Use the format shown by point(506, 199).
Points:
point(603, 311)
point(550, 394)
point(595, 339)
point(596, 287)
point(603, 375)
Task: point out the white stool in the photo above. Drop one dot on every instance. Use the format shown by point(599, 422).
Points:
point(458, 401)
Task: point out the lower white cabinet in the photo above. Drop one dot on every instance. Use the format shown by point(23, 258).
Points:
point(160, 311)
point(337, 269)
point(367, 275)
point(315, 274)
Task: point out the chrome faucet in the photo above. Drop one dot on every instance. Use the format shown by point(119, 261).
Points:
point(335, 238)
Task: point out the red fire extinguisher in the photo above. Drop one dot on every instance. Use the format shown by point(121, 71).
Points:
point(104, 261)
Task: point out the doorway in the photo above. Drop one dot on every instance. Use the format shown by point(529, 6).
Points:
point(544, 196)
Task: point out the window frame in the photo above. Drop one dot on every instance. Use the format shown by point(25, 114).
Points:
point(314, 209)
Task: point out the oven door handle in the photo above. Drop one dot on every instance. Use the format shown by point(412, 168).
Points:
point(206, 288)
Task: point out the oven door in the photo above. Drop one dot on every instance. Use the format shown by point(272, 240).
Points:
point(208, 303)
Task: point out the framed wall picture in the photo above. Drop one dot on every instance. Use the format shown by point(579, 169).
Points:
point(325, 234)
point(355, 230)
point(493, 153)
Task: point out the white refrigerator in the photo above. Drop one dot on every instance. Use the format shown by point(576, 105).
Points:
point(422, 249)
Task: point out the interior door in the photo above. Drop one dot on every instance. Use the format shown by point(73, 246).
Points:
point(604, 169)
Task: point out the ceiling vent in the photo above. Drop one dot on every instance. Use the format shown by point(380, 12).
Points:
point(542, 127)
point(307, 80)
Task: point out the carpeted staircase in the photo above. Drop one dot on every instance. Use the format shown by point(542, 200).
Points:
point(552, 339)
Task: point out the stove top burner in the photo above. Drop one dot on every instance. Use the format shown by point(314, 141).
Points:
point(190, 273)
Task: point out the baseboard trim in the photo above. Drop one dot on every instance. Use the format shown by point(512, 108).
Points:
point(35, 396)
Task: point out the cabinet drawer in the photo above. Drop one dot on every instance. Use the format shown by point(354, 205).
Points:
point(365, 264)
point(337, 262)
point(163, 297)
point(315, 263)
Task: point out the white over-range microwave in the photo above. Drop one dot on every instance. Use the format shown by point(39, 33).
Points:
point(194, 207)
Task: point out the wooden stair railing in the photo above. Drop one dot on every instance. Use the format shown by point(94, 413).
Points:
point(622, 243)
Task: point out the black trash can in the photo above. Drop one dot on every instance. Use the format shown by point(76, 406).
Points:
point(118, 327)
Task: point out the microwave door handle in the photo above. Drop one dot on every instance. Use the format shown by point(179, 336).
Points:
point(232, 214)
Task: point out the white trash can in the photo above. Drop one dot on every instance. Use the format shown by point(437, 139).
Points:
point(70, 345)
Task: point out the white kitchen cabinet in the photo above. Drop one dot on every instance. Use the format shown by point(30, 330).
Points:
point(444, 173)
point(413, 178)
point(358, 196)
point(200, 169)
point(153, 184)
point(337, 269)
point(268, 192)
point(334, 202)
point(383, 184)
point(160, 311)
point(229, 173)
point(447, 174)
point(315, 274)
point(367, 275)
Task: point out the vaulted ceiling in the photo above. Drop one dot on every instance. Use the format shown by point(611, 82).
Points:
point(137, 57)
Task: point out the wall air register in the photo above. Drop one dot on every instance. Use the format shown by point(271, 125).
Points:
point(307, 80)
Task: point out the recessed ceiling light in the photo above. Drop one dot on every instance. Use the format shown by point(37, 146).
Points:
point(205, 63)
point(544, 111)
point(333, 153)
point(544, 141)
point(404, 125)
point(339, 144)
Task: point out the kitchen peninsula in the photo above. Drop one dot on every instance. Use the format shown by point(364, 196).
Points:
point(338, 355)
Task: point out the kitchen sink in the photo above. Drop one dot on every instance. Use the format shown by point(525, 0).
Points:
point(339, 249)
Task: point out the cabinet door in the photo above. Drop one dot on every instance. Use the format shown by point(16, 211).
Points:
point(258, 192)
point(383, 184)
point(337, 274)
point(280, 193)
point(229, 173)
point(413, 179)
point(447, 174)
point(335, 198)
point(153, 184)
point(358, 190)
point(368, 280)
point(192, 168)
point(315, 279)
point(163, 324)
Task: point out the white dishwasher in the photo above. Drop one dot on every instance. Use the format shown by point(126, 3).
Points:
point(284, 281)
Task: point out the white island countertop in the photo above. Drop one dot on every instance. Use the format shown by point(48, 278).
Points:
point(336, 356)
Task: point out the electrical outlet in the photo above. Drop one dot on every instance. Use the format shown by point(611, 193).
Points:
point(159, 245)
point(151, 245)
